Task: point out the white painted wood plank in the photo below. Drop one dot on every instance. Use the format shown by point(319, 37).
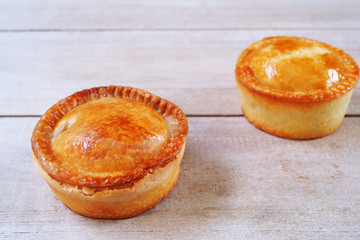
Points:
point(194, 69)
point(186, 14)
point(236, 182)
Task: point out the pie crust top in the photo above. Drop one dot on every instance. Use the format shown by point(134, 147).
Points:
point(296, 68)
point(108, 136)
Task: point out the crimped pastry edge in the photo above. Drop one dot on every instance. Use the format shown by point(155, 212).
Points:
point(244, 77)
point(41, 146)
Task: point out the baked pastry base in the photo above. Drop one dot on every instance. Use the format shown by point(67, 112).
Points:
point(293, 119)
point(117, 202)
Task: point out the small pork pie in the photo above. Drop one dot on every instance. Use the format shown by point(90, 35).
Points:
point(295, 87)
point(110, 152)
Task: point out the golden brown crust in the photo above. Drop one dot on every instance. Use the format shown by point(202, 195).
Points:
point(342, 63)
point(170, 143)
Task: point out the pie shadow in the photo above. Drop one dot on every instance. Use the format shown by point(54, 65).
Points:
point(204, 181)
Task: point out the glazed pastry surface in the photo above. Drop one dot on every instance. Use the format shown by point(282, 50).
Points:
point(297, 69)
point(296, 65)
point(109, 135)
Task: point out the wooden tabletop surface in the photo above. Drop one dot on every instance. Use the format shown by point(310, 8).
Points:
point(236, 182)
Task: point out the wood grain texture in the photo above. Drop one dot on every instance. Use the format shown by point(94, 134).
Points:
point(187, 14)
point(235, 182)
point(193, 69)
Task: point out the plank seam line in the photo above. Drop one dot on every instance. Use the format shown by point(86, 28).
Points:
point(214, 115)
point(167, 29)
point(188, 115)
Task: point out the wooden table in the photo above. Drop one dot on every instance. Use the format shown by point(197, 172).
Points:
point(236, 181)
